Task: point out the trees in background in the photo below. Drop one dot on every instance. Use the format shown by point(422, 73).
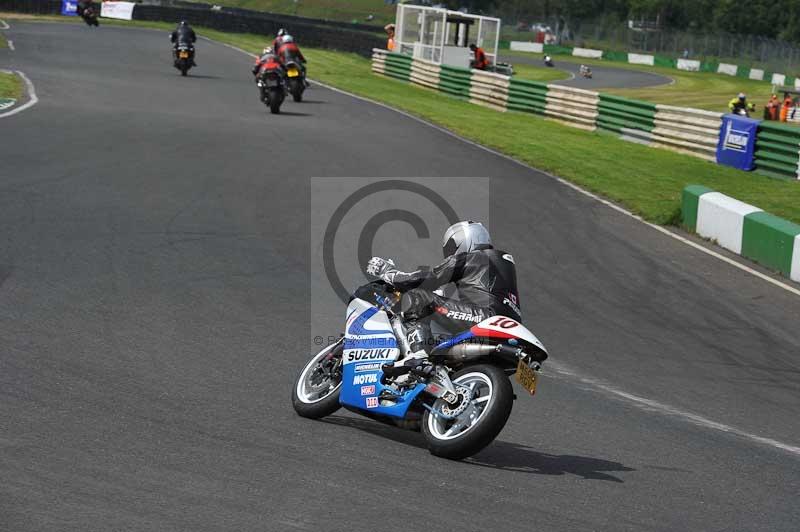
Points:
point(766, 18)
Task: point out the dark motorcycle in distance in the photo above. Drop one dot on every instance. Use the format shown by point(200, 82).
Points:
point(89, 14)
point(272, 88)
point(296, 80)
point(184, 57)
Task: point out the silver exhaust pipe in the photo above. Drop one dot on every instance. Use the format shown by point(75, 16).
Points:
point(462, 352)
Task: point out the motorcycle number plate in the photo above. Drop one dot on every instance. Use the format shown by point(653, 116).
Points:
point(292, 73)
point(184, 55)
point(526, 377)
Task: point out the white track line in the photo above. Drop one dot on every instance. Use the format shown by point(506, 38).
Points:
point(573, 186)
point(577, 188)
point(11, 45)
point(650, 406)
point(641, 402)
point(4, 25)
point(32, 98)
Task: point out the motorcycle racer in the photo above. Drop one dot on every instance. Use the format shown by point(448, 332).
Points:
point(485, 282)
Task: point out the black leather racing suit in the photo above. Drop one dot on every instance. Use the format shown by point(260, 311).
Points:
point(183, 35)
point(486, 285)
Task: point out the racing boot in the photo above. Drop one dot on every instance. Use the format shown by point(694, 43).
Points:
point(419, 337)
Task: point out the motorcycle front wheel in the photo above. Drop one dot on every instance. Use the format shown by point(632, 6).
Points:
point(316, 391)
point(484, 403)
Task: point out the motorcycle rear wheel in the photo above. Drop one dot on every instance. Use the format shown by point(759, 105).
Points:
point(315, 394)
point(275, 102)
point(297, 90)
point(477, 425)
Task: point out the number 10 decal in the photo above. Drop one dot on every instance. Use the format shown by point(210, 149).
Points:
point(504, 323)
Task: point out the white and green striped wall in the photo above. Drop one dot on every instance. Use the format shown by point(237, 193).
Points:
point(690, 131)
point(743, 229)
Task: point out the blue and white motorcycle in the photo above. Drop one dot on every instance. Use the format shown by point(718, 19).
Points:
point(461, 406)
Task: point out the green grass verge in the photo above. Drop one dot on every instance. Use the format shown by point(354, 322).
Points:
point(543, 74)
point(700, 90)
point(10, 86)
point(348, 11)
point(648, 181)
point(3, 41)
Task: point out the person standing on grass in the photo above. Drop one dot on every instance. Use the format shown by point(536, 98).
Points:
point(787, 107)
point(389, 28)
point(772, 109)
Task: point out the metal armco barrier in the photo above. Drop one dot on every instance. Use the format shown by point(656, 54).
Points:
point(36, 7)
point(777, 150)
point(527, 96)
point(455, 81)
point(397, 66)
point(633, 120)
point(575, 107)
point(309, 32)
point(425, 74)
point(489, 90)
point(690, 131)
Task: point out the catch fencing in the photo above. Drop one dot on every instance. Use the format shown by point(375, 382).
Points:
point(688, 131)
point(760, 73)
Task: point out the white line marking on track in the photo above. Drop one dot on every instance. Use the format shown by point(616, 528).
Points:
point(577, 188)
point(573, 186)
point(32, 98)
point(651, 405)
point(641, 402)
point(4, 25)
point(11, 45)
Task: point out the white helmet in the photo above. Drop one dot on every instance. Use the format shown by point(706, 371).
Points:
point(464, 237)
point(281, 32)
point(287, 39)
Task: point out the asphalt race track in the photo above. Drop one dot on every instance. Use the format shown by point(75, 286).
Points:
point(154, 312)
point(603, 77)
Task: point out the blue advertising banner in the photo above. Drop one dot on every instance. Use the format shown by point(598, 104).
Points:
point(69, 8)
point(737, 141)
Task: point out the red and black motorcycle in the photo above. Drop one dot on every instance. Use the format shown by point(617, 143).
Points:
point(271, 86)
point(88, 13)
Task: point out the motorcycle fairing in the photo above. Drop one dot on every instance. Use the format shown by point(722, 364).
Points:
point(499, 327)
point(368, 344)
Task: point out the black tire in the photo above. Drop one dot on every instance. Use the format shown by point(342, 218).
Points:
point(184, 70)
point(297, 90)
point(274, 105)
point(321, 407)
point(488, 425)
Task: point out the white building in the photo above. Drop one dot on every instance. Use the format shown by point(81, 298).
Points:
point(444, 36)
